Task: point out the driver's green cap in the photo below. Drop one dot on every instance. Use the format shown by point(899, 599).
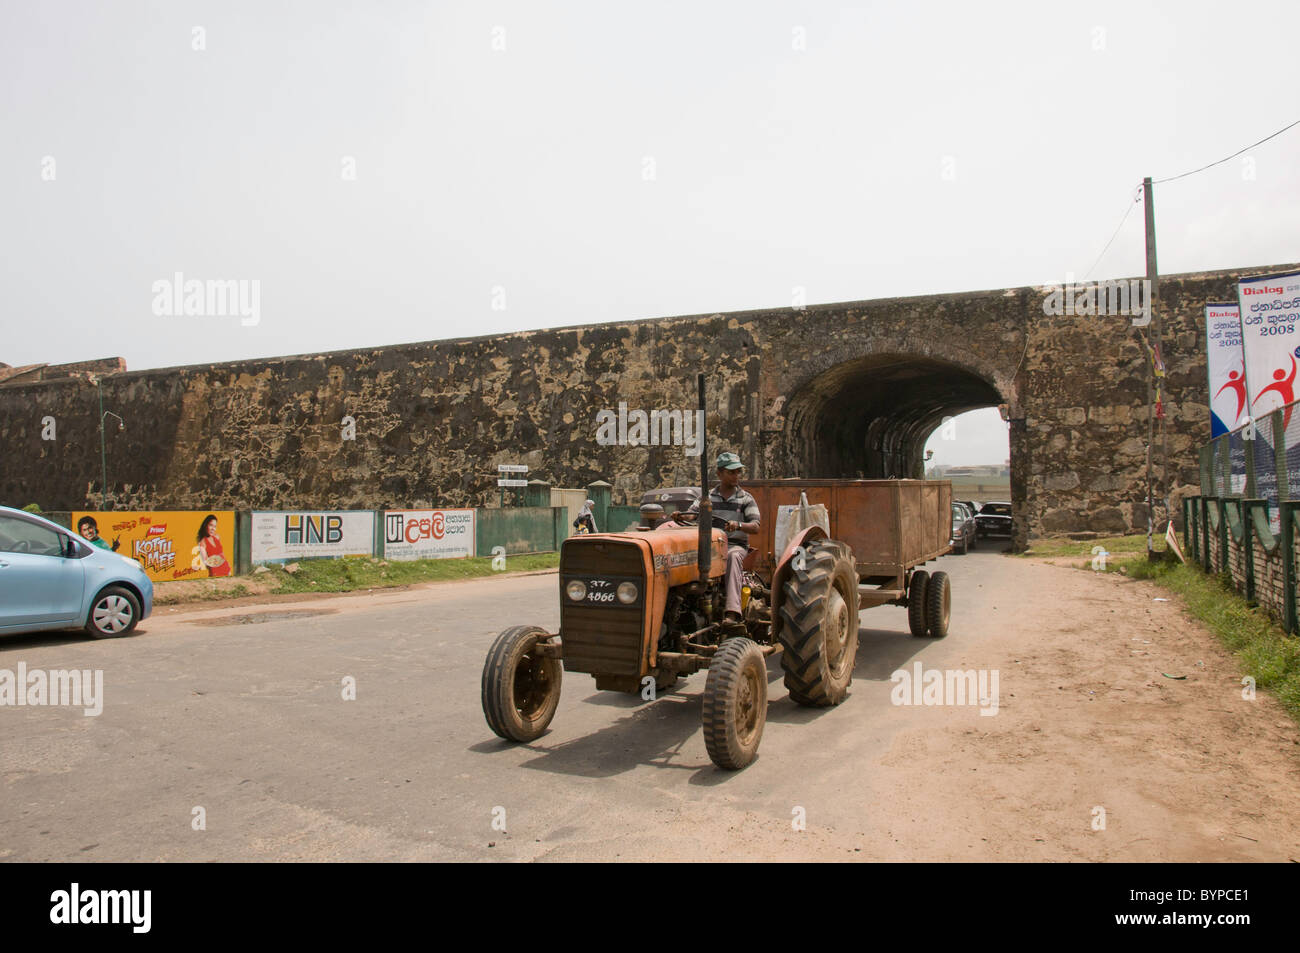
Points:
point(729, 461)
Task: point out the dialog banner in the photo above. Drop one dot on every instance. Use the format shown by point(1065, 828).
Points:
point(283, 536)
point(428, 534)
point(1270, 312)
point(1227, 369)
point(168, 544)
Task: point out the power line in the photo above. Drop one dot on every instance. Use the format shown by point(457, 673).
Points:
point(1233, 156)
point(1127, 211)
point(1172, 178)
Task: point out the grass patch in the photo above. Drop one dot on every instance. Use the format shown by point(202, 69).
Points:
point(346, 575)
point(1265, 652)
point(163, 597)
point(1135, 543)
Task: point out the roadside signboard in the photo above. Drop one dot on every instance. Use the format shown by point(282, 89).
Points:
point(1270, 313)
point(169, 545)
point(283, 536)
point(428, 534)
point(1226, 367)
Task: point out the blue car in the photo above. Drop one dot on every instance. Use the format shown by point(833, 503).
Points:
point(51, 578)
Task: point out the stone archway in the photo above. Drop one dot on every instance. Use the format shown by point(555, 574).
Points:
point(869, 417)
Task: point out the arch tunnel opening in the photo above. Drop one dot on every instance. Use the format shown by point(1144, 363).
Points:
point(870, 418)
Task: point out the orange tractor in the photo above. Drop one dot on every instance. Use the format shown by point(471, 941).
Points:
point(645, 607)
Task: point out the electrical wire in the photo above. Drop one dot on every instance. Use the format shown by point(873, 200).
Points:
point(1137, 195)
point(1233, 156)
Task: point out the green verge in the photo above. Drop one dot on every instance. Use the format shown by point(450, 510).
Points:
point(343, 575)
point(1264, 650)
point(346, 575)
point(1136, 543)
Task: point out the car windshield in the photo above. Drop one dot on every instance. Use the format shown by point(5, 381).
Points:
point(996, 509)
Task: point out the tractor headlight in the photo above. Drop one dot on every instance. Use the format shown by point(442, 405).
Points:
point(576, 590)
point(627, 593)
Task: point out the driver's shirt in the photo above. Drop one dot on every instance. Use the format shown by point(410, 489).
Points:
point(740, 506)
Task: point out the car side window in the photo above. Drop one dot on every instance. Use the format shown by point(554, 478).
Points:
point(21, 536)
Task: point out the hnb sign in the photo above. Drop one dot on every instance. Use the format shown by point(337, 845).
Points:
point(305, 528)
point(283, 535)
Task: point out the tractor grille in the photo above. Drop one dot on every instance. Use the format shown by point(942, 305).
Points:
point(601, 639)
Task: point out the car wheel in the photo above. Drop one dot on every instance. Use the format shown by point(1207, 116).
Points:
point(114, 613)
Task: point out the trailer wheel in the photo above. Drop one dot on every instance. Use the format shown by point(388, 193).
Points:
point(735, 703)
point(938, 604)
point(819, 631)
point(916, 602)
point(521, 690)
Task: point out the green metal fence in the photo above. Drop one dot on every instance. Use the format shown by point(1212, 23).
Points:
point(1244, 523)
point(521, 529)
point(1259, 460)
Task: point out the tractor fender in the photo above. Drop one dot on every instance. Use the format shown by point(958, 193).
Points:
point(785, 567)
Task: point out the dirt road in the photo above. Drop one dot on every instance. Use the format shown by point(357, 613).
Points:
point(239, 712)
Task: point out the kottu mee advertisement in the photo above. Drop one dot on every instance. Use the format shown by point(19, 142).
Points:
point(428, 534)
point(168, 544)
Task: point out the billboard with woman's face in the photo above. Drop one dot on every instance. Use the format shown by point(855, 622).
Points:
point(168, 544)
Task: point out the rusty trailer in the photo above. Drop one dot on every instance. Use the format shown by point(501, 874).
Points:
point(892, 526)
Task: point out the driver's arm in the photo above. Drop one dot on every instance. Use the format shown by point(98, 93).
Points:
point(691, 514)
point(751, 521)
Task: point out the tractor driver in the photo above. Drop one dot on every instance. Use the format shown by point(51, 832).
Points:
point(738, 508)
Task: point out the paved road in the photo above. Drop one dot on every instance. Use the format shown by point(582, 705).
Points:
point(240, 712)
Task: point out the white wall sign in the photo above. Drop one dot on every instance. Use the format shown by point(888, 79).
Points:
point(1223, 359)
point(1270, 313)
point(428, 534)
point(282, 536)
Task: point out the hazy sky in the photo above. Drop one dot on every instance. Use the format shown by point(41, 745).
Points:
point(610, 162)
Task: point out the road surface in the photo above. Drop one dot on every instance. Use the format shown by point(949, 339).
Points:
point(225, 735)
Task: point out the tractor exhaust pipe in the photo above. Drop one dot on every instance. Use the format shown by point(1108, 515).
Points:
point(704, 550)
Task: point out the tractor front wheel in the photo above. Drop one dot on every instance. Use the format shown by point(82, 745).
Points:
point(735, 703)
point(819, 625)
point(521, 689)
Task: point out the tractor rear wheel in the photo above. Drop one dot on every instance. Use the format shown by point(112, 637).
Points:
point(819, 625)
point(521, 689)
point(735, 703)
point(916, 603)
point(938, 604)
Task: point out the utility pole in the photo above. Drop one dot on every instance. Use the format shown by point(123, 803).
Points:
point(103, 451)
point(1157, 356)
point(103, 446)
